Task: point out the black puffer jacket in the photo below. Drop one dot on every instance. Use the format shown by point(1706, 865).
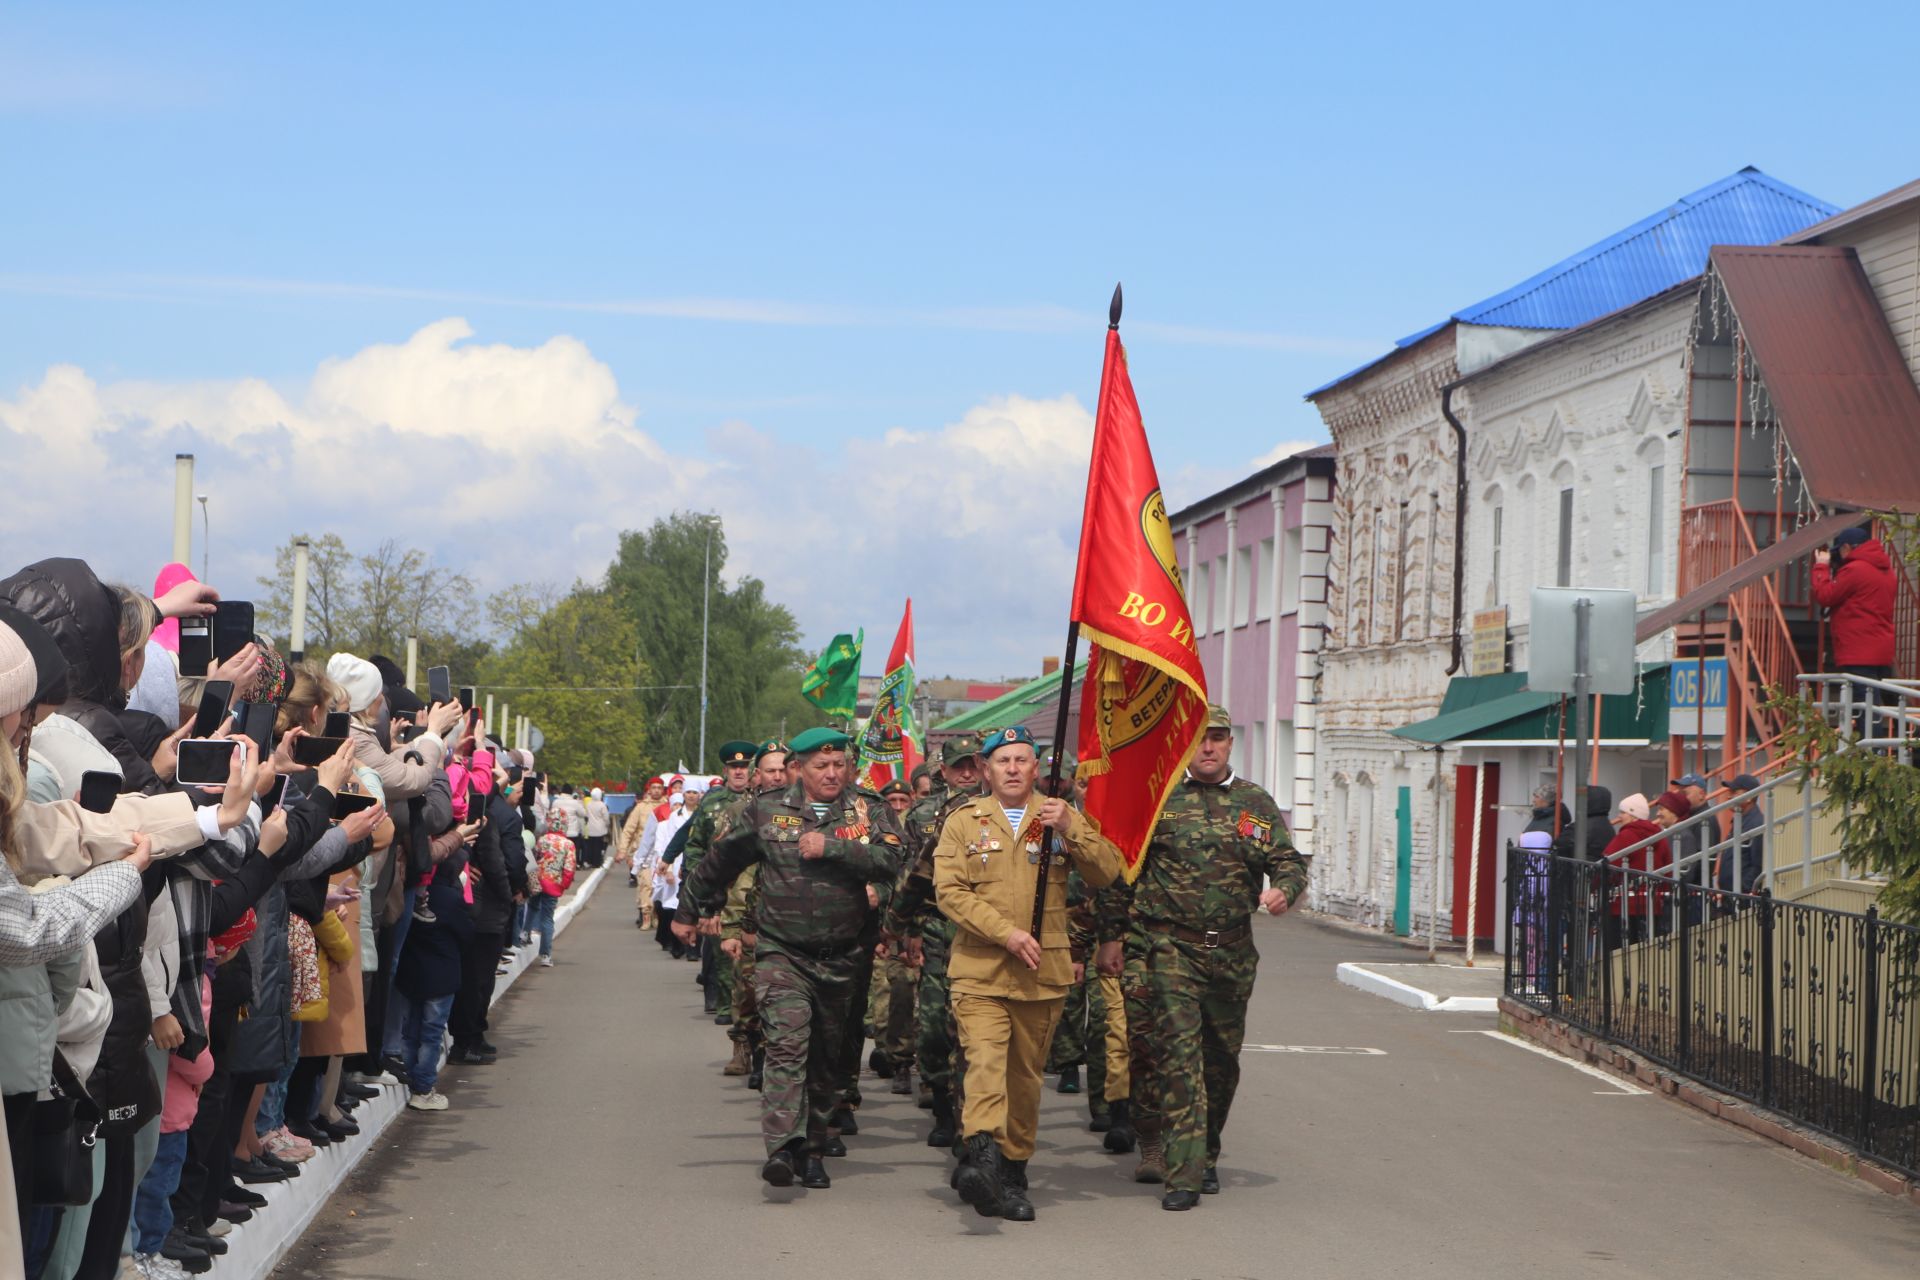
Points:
point(1599, 831)
point(123, 1085)
point(81, 614)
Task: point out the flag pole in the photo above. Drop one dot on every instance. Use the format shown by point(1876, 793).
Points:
point(1066, 669)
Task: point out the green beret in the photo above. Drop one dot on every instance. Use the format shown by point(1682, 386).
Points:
point(954, 750)
point(820, 739)
point(771, 746)
point(736, 752)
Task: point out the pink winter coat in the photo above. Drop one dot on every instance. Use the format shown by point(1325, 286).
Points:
point(186, 1076)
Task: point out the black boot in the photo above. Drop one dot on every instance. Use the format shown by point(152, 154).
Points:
point(712, 999)
point(833, 1147)
point(1210, 1182)
point(783, 1166)
point(979, 1179)
point(1069, 1081)
point(1120, 1136)
point(758, 1076)
point(1180, 1201)
point(815, 1177)
point(942, 1134)
point(879, 1063)
point(1014, 1205)
point(842, 1119)
point(1099, 1116)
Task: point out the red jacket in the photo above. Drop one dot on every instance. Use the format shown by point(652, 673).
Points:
point(1631, 893)
point(1860, 600)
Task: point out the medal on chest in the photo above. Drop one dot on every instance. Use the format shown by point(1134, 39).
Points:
point(1252, 828)
point(984, 844)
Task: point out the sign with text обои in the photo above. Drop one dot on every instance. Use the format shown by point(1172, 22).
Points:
point(1697, 698)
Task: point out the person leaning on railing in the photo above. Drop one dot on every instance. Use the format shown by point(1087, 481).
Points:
point(1631, 906)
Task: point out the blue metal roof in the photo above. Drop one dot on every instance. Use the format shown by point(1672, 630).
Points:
point(1649, 257)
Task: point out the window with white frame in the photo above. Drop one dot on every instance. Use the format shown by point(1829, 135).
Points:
point(1563, 555)
point(1290, 571)
point(1363, 836)
point(1197, 595)
point(1237, 758)
point(1242, 584)
point(1496, 538)
point(1282, 767)
point(1263, 580)
point(1222, 606)
point(1656, 530)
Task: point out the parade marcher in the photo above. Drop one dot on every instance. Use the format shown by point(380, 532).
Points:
point(1008, 985)
point(915, 924)
point(634, 830)
point(818, 845)
point(598, 825)
point(738, 933)
point(716, 971)
point(1217, 838)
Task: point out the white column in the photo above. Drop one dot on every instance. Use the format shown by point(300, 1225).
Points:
point(1273, 780)
point(1193, 576)
point(297, 628)
point(182, 507)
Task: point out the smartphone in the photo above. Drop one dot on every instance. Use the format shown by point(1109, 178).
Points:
point(315, 751)
point(408, 732)
point(468, 696)
point(98, 790)
point(439, 685)
point(257, 723)
point(275, 794)
point(338, 723)
point(347, 803)
point(204, 762)
point(232, 628)
point(196, 646)
point(476, 805)
point(213, 708)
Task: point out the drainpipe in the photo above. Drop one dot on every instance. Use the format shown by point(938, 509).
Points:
point(1459, 518)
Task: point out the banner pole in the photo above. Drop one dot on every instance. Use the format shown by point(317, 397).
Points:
point(1053, 780)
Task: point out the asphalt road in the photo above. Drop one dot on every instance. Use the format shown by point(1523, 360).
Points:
point(606, 1143)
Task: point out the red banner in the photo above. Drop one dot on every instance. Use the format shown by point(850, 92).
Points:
point(1143, 706)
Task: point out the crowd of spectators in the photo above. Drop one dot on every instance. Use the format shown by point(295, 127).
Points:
point(239, 897)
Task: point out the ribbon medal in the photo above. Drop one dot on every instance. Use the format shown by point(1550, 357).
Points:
point(1252, 828)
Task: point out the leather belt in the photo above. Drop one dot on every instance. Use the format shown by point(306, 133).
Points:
point(1208, 938)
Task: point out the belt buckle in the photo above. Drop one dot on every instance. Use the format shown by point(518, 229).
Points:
point(1210, 939)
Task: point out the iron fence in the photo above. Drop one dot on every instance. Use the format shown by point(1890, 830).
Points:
point(1806, 1011)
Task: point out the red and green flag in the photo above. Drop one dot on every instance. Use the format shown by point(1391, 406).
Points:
point(887, 747)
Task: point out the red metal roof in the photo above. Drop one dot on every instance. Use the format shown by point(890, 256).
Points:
point(1844, 395)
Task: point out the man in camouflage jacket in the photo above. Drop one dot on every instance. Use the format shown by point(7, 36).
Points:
point(1190, 911)
point(817, 844)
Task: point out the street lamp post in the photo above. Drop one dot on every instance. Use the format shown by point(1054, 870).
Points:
point(706, 594)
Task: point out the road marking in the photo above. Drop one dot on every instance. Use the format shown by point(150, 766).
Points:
point(1620, 1089)
point(1313, 1048)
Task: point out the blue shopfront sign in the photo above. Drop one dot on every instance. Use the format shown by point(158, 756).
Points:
point(1697, 691)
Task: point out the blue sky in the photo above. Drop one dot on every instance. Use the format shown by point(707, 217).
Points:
point(785, 234)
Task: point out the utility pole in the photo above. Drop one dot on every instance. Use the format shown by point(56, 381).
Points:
point(706, 604)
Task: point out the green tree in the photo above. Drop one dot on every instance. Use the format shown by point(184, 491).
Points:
point(568, 663)
point(753, 654)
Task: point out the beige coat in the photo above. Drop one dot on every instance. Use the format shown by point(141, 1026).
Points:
point(62, 839)
point(984, 881)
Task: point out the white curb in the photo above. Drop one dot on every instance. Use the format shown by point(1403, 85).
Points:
point(1365, 979)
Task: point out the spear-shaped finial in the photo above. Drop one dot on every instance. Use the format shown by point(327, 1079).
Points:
point(1113, 309)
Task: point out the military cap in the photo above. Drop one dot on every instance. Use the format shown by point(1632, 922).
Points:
point(1217, 717)
point(767, 748)
point(1007, 737)
point(954, 750)
point(895, 788)
point(821, 739)
point(736, 753)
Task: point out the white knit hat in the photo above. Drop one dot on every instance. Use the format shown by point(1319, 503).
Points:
point(360, 678)
point(19, 678)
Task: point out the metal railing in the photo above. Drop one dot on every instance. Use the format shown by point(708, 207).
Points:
point(1807, 1011)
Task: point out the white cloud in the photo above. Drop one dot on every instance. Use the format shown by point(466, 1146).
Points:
point(525, 462)
point(1285, 449)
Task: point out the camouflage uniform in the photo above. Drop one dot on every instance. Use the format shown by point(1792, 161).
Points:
point(1191, 959)
point(695, 838)
point(913, 914)
point(814, 927)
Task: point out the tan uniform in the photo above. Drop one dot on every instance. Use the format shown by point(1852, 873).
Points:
point(984, 879)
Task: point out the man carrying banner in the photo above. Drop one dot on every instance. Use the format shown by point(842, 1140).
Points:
point(1218, 839)
point(1008, 985)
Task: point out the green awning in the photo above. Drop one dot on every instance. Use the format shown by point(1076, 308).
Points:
point(1011, 707)
point(1500, 708)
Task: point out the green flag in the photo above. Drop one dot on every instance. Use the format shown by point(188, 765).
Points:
point(833, 683)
